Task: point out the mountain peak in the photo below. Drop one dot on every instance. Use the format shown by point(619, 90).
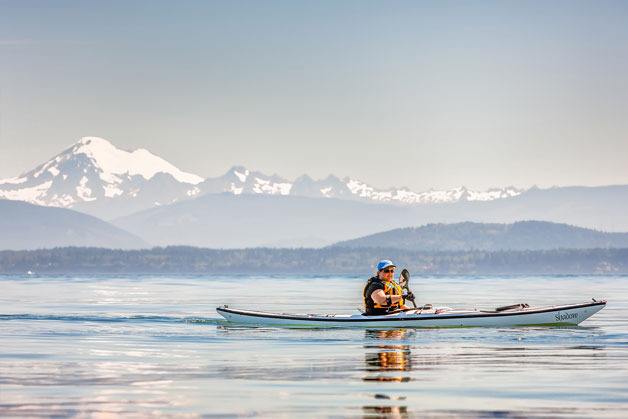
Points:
point(241, 172)
point(304, 178)
point(113, 161)
point(93, 170)
point(237, 168)
point(96, 141)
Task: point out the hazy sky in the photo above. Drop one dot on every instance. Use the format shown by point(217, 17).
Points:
point(420, 94)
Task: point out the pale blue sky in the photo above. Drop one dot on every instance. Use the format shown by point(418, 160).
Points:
point(420, 94)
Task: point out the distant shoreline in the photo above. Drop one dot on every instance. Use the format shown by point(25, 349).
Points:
point(325, 261)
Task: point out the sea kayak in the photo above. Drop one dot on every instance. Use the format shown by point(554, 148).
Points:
point(515, 315)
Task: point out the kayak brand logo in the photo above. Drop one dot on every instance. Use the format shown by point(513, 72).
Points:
point(561, 317)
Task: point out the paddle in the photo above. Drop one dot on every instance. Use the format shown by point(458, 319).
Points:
point(404, 279)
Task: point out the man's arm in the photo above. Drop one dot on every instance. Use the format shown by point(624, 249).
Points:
point(379, 296)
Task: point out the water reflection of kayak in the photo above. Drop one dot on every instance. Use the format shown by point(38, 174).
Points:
point(515, 315)
point(387, 359)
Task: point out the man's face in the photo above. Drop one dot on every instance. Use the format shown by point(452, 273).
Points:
point(387, 274)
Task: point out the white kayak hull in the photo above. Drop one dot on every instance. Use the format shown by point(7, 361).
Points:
point(563, 315)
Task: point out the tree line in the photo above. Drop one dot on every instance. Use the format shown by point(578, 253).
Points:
point(360, 261)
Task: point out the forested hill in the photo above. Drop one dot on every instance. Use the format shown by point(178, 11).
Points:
point(190, 260)
point(524, 235)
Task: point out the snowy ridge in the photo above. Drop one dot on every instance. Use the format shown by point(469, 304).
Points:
point(93, 172)
point(239, 180)
point(114, 162)
point(406, 196)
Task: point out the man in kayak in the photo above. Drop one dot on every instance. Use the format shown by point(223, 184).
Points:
point(381, 293)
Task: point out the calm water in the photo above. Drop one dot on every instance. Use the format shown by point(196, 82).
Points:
point(154, 346)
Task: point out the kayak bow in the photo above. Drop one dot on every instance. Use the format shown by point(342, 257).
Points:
point(518, 315)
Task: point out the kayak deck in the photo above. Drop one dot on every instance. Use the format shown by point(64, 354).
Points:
point(519, 315)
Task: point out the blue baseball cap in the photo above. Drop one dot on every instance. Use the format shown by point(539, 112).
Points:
point(383, 264)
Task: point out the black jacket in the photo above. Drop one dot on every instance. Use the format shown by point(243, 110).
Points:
point(372, 285)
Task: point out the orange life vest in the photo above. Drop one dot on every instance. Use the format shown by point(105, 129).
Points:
point(390, 288)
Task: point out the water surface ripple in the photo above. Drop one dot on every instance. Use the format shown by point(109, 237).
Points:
point(145, 345)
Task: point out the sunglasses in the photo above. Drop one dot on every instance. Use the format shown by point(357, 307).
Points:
point(388, 271)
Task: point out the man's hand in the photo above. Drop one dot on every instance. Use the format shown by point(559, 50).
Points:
point(409, 296)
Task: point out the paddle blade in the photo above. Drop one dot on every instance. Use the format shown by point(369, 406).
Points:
point(404, 281)
point(404, 278)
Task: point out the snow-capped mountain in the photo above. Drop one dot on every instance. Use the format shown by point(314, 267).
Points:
point(94, 176)
point(92, 173)
point(240, 180)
